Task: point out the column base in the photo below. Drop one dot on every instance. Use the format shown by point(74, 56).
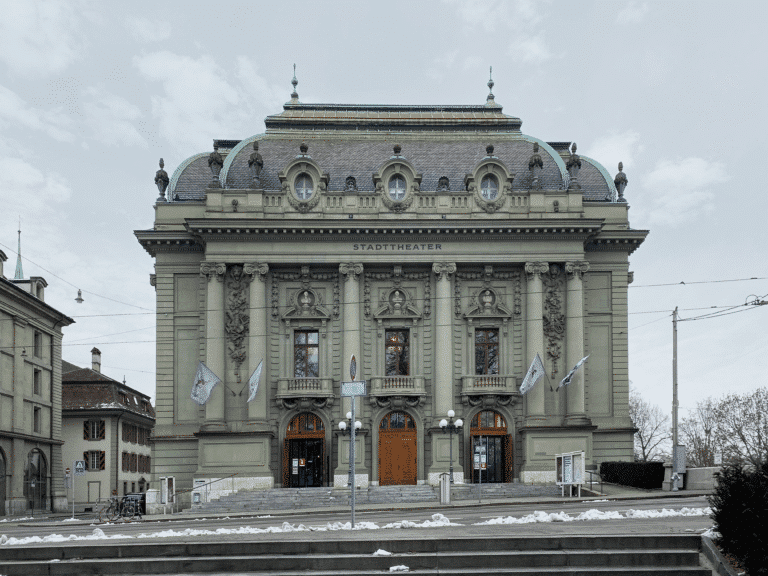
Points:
point(214, 426)
point(577, 420)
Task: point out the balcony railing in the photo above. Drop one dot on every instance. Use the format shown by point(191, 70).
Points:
point(489, 384)
point(397, 386)
point(299, 387)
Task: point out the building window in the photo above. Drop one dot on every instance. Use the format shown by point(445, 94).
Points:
point(125, 488)
point(134, 462)
point(489, 188)
point(36, 379)
point(94, 430)
point(133, 486)
point(487, 351)
point(397, 353)
point(38, 345)
point(126, 462)
point(95, 460)
point(397, 187)
point(303, 186)
point(36, 417)
point(306, 354)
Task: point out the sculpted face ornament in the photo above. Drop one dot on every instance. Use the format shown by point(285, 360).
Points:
point(397, 301)
point(487, 300)
point(305, 302)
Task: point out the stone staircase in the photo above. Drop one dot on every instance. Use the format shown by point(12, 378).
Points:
point(635, 555)
point(297, 498)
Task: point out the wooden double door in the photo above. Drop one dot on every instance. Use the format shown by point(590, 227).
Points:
point(397, 450)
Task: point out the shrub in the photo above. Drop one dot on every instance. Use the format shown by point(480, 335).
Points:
point(637, 474)
point(740, 511)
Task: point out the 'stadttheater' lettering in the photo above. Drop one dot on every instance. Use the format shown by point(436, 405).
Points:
point(397, 247)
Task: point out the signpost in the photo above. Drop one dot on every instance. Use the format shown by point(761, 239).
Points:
point(79, 466)
point(351, 390)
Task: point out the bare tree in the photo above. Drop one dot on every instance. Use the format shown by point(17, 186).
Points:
point(743, 423)
point(652, 426)
point(701, 434)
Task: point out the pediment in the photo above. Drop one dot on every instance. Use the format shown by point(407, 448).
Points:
point(307, 303)
point(486, 303)
point(397, 304)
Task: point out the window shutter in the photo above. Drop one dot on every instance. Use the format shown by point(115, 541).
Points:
point(85, 457)
point(102, 430)
point(86, 434)
point(102, 460)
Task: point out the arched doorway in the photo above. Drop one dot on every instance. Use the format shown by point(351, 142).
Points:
point(397, 449)
point(2, 483)
point(491, 448)
point(36, 480)
point(304, 452)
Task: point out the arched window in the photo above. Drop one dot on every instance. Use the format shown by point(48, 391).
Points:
point(396, 420)
point(397, 187)
point(36, 480)
point(488, 419)
point(304, 423)
point(303, 186)
point(489, 188)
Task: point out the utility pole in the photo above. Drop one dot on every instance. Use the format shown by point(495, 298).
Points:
point(675, 475)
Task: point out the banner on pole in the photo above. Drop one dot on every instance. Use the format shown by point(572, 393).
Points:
point(534, 374)
point(253, 381)
point(205, 382)
point(568, 377)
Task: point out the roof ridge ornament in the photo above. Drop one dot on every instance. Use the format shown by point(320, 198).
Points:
point(19, 273)
point(294, 82)
point(490, 100)
point(535, 165)
point(621, 182)
point(161, 181)
point(573, 165)
point(215, 163)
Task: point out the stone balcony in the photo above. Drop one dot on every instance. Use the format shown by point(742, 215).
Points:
point(489, 384)
point(304, 388)
point(396, 386)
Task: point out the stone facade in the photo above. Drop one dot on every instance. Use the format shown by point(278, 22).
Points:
point(30, 398)
point(438, 245)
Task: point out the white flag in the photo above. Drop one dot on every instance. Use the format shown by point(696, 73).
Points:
point(534, 374)
point(253, 381)
point(205, 382)
point(568, 377)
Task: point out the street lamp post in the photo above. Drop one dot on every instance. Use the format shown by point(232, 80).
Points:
point(451, 428)
point(352, 429)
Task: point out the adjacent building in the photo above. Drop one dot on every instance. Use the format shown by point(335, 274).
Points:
point(441, 247)
point(31, 476)
point(108, 425)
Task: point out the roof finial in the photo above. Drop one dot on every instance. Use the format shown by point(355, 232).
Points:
point(490, 101)
point(19, 275)
point(294, 82)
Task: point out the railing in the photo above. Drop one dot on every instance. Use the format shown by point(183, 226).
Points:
point(488, 384)
point(290, 387)
point(391, 385)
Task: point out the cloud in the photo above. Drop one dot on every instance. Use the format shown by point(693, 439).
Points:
point(40, 38)
point(112, 118)
point(632, 13)
point(681, 190)
point(529, 49)
point(144, 30)
point(15, 111)
point(616, 147)
point(200, 100)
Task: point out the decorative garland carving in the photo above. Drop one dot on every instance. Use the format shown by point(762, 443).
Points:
point(554, 319)
point(396, 402)
point(236, 319)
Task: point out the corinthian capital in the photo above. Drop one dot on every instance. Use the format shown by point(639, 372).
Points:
point(350, 271)
point(213, 270)
point(443, 269)
point(576, 269)
point(536, 269)
point(254, 269)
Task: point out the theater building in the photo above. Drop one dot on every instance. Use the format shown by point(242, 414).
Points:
point(439, 245)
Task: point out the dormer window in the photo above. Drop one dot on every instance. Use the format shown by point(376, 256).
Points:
point(489, 188)
point(397, 187)
point(303, 186)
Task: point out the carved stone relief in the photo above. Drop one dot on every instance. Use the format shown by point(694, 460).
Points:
point(554, 319)
point(236, 318)
point(397, 276)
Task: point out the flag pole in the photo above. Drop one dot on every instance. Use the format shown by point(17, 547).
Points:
point(675, 471)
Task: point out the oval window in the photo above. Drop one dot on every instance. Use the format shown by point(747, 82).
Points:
point(397, 187)
point(489, 189)
point(303, 186)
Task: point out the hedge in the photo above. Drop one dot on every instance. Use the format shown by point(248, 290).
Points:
point(637, 474)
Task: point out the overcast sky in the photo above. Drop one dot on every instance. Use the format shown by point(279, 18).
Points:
point(92, 94)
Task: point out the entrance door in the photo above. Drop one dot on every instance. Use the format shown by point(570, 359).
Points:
point(2, 484)
point(397, 450)
point(491, 451)
point(304, 452)
point(306, 462)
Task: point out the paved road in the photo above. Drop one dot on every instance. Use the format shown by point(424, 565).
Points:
point(468, 516)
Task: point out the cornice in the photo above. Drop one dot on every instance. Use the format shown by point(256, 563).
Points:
point(616, 241)
point(154, 241)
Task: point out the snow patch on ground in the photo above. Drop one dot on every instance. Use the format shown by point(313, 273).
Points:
point(593, 514)
point(399, 568)
point(381, 552)
point(17, 519)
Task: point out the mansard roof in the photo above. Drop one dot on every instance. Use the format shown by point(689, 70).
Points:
point(355, 140)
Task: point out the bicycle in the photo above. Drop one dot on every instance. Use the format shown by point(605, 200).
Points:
point(117, 509)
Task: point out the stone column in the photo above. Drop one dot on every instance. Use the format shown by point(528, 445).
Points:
point(535, 338)
point(257, 339)
point(215, 342)
point(351, 325)
point(443, 385)
point(576, 413)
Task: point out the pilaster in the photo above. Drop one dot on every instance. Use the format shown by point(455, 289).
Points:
point(351, 274)
point(535, 415)
point(443, 385)
point(257, 339)
point(576, 413)
point(215, 342)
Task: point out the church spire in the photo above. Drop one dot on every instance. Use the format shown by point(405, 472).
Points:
point(19, 275)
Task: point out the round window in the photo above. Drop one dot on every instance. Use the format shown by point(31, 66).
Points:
point(397, 187)
point(303, 186)
point(489, 189)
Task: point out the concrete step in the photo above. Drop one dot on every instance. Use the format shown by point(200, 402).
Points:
point(569, 555)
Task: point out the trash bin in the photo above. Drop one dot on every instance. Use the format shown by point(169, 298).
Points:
point(445, 488)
